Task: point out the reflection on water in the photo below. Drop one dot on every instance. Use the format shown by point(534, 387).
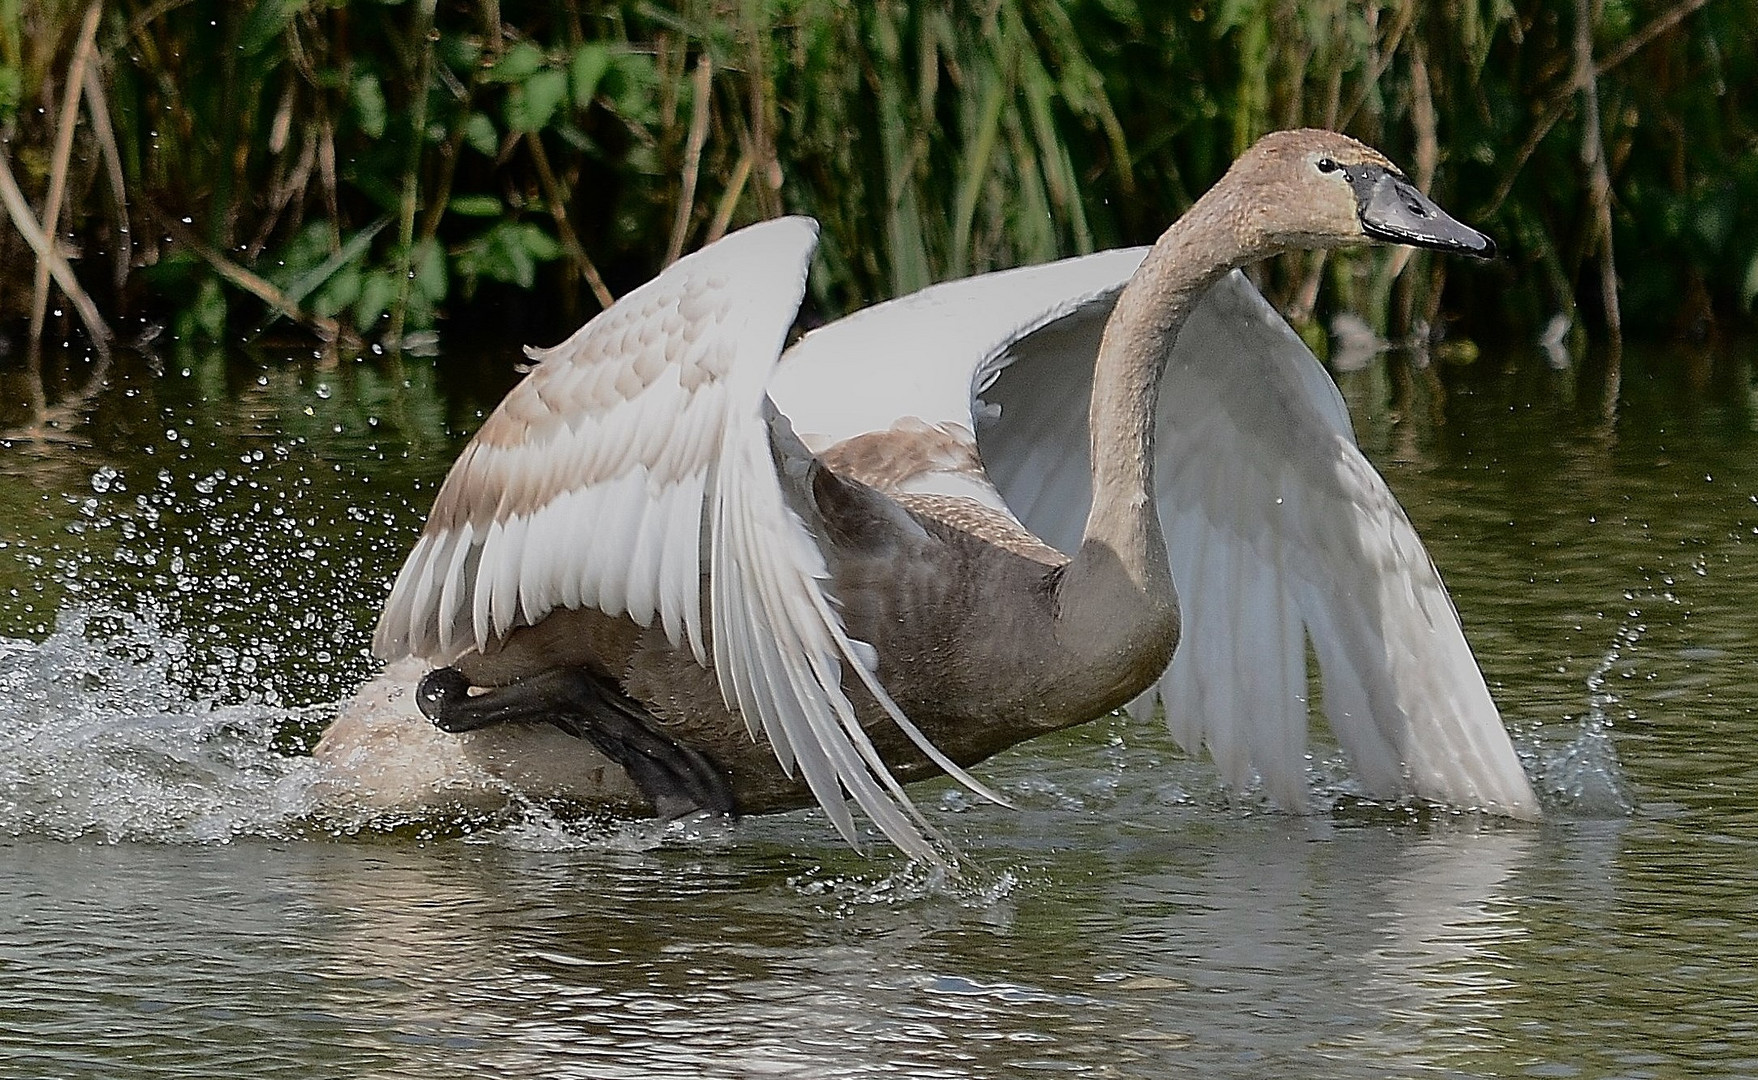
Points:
point(186, 588)
point(406, 960)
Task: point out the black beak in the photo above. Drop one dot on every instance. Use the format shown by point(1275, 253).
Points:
point(1393, 210)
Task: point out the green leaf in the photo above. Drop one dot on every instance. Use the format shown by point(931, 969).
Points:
point(1237, 13)
point(520, 267)
point(479, 132)
point(531, 105)
point(1749, 291)
point(537, 243)
point(475, 206)
point(591, 61)
point(369, 105)
point(377, 291)
point(11, 91)
point(308, 247)
point(339, 293)
point(266, 22)
point(508, 251)
point(632, 84)
point(459, 52)
point(428, 264)
point(519, 64)
point(484, 258)
point(355, 247)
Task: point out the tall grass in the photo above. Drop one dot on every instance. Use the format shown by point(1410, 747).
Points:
point(372, 169)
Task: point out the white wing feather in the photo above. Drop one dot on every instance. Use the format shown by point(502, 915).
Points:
point(926, 357)
point(633, 448)
point(1256, 458)
point(1278, 528)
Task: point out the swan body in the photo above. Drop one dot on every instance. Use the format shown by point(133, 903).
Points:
point(952, 522)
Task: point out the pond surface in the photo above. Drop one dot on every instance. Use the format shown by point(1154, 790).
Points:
point(189, 569)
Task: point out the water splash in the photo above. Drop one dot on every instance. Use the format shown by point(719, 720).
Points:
point(95, 742)
point(842, 894)
point(102, 737)
point(534, 827)
point(1583, 776)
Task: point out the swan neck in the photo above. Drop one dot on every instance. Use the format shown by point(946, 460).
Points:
point(1123, 526)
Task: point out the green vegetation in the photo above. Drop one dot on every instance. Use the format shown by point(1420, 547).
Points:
point(374, 168)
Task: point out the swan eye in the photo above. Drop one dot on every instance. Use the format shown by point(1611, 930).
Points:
point(1326, 165)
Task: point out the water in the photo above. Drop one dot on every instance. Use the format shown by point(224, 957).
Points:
point(188, 578)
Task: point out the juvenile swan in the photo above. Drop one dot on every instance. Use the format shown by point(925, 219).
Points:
point(753, 583)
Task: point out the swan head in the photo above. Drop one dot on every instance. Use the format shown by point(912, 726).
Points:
point(1310, 188)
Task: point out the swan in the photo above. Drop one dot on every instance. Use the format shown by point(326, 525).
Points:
point(749, 580)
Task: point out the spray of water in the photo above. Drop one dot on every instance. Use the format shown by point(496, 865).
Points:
point(95, 741)
point(1582, 776)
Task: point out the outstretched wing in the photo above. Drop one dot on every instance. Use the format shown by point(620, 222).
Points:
point(634, 448)
point(938, 350)
point(1278, 530)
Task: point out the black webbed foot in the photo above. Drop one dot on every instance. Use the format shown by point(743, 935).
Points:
point(678, 780)
point(441, 695)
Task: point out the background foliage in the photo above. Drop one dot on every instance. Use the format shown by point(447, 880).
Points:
point(374, 168)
